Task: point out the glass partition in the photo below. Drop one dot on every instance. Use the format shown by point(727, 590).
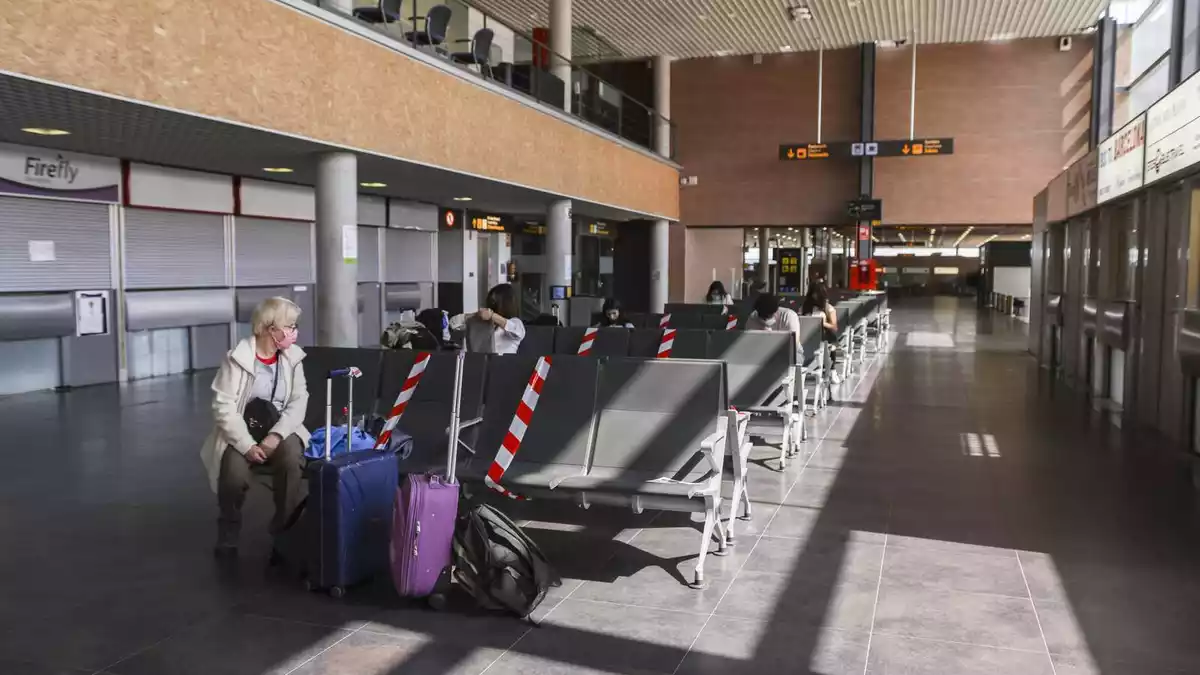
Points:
point(463, 35)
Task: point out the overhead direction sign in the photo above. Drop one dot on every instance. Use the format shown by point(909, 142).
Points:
point(919, 147)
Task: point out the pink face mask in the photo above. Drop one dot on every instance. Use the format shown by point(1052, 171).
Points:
point(284, 337)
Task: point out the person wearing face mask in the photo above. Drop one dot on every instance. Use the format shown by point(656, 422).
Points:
point(612, 315)
point(260, 397)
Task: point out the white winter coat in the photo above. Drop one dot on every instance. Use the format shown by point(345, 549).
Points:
point(231, 392)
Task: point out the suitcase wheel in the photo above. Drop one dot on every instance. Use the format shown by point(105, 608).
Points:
point(437, 602)
point(337, 592)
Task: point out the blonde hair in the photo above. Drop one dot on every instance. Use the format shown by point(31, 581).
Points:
point(278, 312)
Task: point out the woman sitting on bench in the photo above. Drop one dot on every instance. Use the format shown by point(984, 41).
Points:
point(495, 328)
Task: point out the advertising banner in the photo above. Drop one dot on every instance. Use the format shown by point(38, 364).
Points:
point(1122, 161)
point(1173, 131)
point(1081, 184)
point(26, 170)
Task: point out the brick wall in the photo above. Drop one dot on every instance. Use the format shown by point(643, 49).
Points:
point(731, 116)
point(1018, 112)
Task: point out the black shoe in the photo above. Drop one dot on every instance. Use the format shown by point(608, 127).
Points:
point(225, 552)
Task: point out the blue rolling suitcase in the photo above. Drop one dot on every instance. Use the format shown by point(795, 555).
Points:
point(342, 536)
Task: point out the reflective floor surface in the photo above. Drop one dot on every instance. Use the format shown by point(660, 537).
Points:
point(953, 513)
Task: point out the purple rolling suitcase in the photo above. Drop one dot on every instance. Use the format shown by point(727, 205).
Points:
point(424, 516)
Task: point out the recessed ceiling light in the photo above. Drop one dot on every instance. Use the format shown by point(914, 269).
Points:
point(277, 169)
point(373, 185)
point(702, 17)
point(43, 131)
point(723, 52)
point(786, 48)
point(462, 199)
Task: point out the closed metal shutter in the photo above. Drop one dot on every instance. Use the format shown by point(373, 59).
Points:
point(410, 255)
point(368, 254)
point(82, 245)
point(166, 249)
point(273, 252)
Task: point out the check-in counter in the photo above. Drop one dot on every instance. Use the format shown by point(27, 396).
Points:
point(1115, 333)
point(304, 295)
point(177, 331)
point(401, 297)
point(1052, 332)
point(50, 340)
point(1095, 354)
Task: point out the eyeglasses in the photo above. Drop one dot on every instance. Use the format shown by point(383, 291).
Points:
point(286, 328)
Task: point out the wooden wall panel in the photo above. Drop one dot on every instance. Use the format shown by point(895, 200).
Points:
point(266, 64)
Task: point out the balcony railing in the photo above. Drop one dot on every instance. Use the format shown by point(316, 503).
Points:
point(513, 59)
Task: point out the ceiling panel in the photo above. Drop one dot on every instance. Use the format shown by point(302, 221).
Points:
point(699, 28)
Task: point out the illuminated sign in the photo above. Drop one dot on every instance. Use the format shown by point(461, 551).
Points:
point(450, 219)
point(487, 223)
point(1122, 161)
point(919, 147)
point(600, 229)
point(1173, 131)
point(791, 152)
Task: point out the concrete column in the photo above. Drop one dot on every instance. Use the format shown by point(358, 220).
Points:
point(559, 269)
point(660, 264)
point(337, 250)
point(764, 256)
point(560, 46)
point(662, 105)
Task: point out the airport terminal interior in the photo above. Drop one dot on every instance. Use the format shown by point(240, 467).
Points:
point(685, 337)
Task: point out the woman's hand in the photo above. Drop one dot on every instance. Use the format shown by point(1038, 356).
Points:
point(256, 455)
point(485, 314)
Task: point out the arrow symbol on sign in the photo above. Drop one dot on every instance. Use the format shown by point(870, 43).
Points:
point(791, 154)
point(904, 149)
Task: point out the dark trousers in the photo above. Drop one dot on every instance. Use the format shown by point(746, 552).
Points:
point(284, 467)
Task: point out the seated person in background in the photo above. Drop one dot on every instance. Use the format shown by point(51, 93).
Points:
point(495, 329)
point(816, 303)
point(768, 315)
point(717, 295)
point(259, 399)
point(611, 315)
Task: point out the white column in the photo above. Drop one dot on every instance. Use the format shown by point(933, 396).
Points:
point(560, 46)
point(662, 105)
point(764, 256)
point(558, 244)
point(337, 250)
point(660, 264)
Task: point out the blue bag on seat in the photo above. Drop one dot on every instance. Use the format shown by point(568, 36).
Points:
point(359, 441)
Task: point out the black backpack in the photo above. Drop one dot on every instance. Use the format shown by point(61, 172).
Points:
point(499, 564)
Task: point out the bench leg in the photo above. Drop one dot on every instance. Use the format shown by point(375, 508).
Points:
point(785, 445)
point(798, 420)
point(712, 516)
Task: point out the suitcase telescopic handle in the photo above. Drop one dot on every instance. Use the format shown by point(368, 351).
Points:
point(351, 373)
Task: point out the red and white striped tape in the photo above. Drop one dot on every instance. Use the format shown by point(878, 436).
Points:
point(516, 429)
point(589, 336)
point(664, 321)
point(406, 393)
point(664, 346)
point(731, 322)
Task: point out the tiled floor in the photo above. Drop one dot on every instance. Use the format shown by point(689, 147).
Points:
point(952, 514)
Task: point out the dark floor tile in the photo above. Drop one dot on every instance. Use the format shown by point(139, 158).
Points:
point(599, 637)
point(893, 655)
point(233, 644)
point(978, 619)
point(26, 668)
point(728, 645)
point(365, 653)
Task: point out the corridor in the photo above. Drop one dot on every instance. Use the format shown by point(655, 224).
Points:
point(954, 513)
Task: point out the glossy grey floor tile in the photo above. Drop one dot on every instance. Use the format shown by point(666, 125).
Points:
point(893, 655)
point(895, 526)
